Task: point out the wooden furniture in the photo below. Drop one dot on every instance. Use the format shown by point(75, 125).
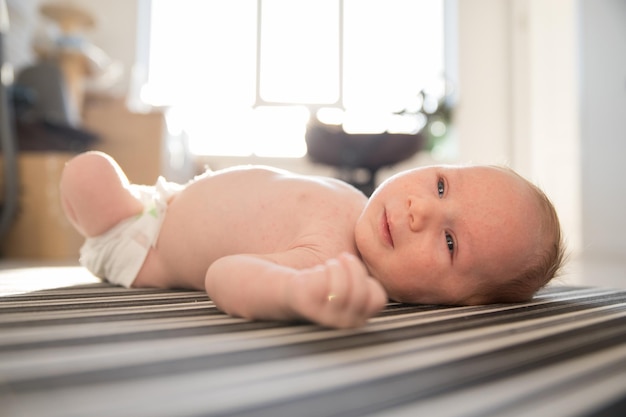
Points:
point(40, 229)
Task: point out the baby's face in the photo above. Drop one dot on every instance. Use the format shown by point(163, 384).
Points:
point(433, 235)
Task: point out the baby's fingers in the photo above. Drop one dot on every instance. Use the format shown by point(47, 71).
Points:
point(339, 293)
point(354, 295)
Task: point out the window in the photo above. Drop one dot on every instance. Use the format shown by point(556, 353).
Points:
point(246, 75)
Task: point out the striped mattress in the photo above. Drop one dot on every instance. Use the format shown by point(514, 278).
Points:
point(99, 350)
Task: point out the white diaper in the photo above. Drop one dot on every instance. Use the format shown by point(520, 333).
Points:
point(118, 254)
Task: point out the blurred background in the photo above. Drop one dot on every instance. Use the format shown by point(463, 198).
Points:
point(356, 89)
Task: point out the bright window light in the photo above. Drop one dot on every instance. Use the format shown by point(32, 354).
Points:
point(203, 62)
point(300, 51)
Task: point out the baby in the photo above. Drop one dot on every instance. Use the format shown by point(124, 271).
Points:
point(273, 245)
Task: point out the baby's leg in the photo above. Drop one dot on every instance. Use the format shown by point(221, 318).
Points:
point(95, 194)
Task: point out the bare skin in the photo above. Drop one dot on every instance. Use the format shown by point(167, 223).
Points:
point(273, 245)
point(227, 234)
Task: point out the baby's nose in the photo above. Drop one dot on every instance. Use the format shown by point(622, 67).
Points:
point(420, 212)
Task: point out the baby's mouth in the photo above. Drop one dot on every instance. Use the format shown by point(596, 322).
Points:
point(386, 230)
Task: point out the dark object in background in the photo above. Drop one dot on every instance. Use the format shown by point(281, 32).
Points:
point(44, 87)
point(353, 153)
point(44, 118)
point(48, 136)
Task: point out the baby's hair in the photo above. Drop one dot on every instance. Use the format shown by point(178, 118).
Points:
point(547, 261)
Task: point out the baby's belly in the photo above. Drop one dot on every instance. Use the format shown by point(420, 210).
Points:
point(187, 245)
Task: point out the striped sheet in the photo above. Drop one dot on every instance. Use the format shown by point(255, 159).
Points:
point(98, 350)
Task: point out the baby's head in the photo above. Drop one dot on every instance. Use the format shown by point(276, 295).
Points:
point(460, 235)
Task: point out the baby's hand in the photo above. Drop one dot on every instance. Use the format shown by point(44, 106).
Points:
point(339, 293)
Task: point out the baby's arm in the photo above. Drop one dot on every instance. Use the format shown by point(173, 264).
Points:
point(338, 293)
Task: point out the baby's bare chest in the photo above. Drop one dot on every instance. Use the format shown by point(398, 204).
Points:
point(263, 213)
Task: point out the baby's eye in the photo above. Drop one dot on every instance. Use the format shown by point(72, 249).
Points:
point(450, 242)
point(441, 187)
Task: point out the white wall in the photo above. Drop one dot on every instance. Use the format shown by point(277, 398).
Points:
point(543, 86)
point(483, 113)
point(603, 120)
point(519, 97)
point(23, 20)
